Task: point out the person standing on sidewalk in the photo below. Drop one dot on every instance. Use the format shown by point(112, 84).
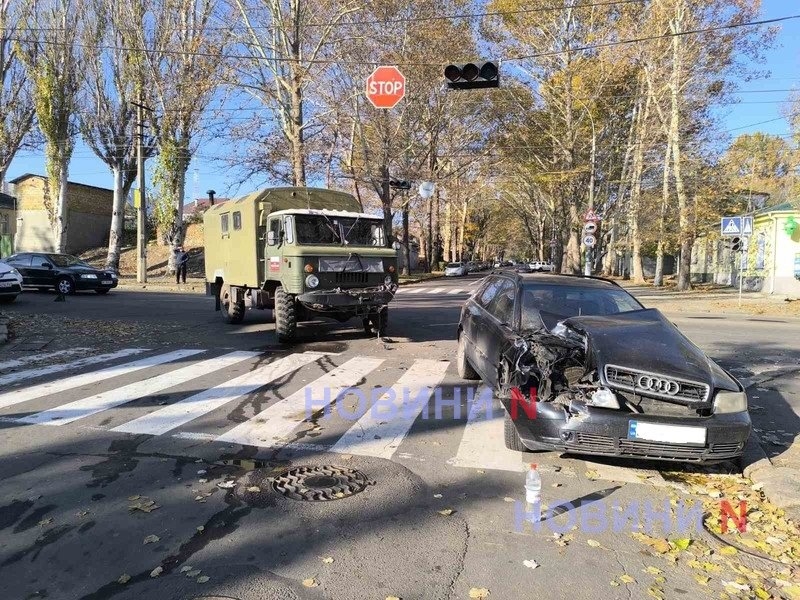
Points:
point(181, 262)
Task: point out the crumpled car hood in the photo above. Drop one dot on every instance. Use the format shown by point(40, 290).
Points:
point(646, 340)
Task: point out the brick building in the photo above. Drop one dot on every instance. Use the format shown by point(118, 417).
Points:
point(89, 211)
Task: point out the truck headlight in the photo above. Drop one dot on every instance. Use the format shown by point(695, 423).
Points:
point(730, 402)
point(312, 281)
point(388, 280)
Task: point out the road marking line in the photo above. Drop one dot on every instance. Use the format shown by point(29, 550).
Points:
point(193, 407)
point(59, 385)
point(72, 411)
point(417, 290)
point(481, 444)
point(379, 434)
point(18, 362)
point(76, 364)
point(437, 290)
point(271, 427)
point(455, 291)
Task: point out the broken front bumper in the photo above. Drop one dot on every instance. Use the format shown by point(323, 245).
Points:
point(604, 432)
point(359, 300)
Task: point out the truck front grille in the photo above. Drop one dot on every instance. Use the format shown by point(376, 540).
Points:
point(350, 277)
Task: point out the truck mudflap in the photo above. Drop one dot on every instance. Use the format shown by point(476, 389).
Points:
point(359, 300)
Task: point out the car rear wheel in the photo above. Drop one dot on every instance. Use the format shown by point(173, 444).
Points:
point(65, 286)
point(510, 435)
point(285, 316)
point(465, 370)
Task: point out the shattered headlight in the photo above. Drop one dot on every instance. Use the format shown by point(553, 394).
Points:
point(604, 398)
point(730, 402)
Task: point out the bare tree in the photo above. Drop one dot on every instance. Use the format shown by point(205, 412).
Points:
point(106, 113)
point(52, 57)
point(16, 103)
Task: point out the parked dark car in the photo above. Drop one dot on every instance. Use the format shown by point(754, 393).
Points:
point(609, 376)
point(62, 272)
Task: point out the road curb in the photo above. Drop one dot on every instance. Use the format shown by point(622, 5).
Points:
point(5, 322)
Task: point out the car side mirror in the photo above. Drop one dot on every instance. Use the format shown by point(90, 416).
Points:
point(47, 265)
point(271, 238)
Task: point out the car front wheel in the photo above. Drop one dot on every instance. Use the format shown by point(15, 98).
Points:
point(510, 435)
point(65, 286)
point(465, 370)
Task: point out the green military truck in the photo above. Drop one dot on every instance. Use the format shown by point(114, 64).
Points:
point(304, 253)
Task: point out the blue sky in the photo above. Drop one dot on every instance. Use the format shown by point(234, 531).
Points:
point(759, 100)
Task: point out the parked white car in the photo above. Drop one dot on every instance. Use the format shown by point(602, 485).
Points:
point(455, 269)
point(540, 265)
point(10, 283)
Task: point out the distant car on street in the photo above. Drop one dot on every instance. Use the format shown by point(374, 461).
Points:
point(455, 269)
point(65, 273)
point(522, 268)
point(10, 283)
point(542, 265)
point(582, 367)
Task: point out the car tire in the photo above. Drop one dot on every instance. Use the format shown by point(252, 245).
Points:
point(232, 312)
point(7, 299)
point(285, 316)
point(65, 286)
point(102, 292)
point(465, 370)
point(510, 435)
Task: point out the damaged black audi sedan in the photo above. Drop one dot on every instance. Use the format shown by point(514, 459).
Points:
point(609, 377)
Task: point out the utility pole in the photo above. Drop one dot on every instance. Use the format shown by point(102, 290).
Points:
point(141, 211)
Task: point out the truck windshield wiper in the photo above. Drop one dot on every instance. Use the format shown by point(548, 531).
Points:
point(337, 232)
point(347, 262)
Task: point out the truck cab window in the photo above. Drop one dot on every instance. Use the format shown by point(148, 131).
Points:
point(275, 230)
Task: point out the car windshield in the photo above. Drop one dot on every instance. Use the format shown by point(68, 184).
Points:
point(548, 304)
point(65, 260)
point(453, 265)
point(324, 230)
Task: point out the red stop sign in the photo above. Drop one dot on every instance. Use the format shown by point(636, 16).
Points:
point(386, 87)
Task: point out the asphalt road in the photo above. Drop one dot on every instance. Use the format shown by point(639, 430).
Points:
point(123, 414)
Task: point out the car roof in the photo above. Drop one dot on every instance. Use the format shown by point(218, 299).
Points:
point(561, 279)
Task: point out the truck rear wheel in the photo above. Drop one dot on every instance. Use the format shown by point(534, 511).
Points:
point(232, 312)
point(285, 316)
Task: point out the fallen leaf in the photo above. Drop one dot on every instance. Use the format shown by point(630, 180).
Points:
point(653, 570)
point(203, 578)
point(200, 528)
point(627, 579)
point(615, 583)
point(478, 593)
point(132, 498)
point(446, 512)
point(202, 472)
point(310, 582)
point(193, 573)
point(327, 560)
point(393, 598)
point(186, 568)
point(481, 471)
point(728, 551)
point(681, 543)
point(44, 522)
point(702, 579)
point(507, 499)
point(531, 564)
point(227, 485)
point(254, 489)
point(592, 474)
point(124, 578)
point(151, 539)
point(555, 485)
point(656, 593)
point(156, 572)
point(735, 586)
point(593, 543)
point(437, 495)
point(202, 481)
point(762, 593)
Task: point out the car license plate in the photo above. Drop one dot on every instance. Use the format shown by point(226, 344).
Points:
point(670, 434)
point(106, 282)
point(6, 283)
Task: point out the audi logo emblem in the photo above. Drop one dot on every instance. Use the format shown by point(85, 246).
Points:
point(656, 384)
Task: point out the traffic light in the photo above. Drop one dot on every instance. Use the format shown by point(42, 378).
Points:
point(736, 244)
point(473, 76)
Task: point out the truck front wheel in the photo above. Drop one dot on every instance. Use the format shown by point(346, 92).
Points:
point(285, 316)
point(232, 312)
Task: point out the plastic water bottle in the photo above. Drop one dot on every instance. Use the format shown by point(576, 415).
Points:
point(533, 486)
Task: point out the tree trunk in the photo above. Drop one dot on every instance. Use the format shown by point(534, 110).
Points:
point(406, 249)
point(62, 213)
point(117, 222)
point(662, 220)
point(179, 179)
point(462, 227)
point(447, 230)
point(298, 141)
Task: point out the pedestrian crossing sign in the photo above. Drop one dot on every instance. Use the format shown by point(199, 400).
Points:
point(731, 225)
point(747, 225)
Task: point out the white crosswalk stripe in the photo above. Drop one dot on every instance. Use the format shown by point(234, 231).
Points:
point(482, 444)
point(85, 407)
point(455, 291)
point(77, 364)
point(272, 426)
point(379, 433)
point(193, 407)
point(381, 425)
point(19, 362)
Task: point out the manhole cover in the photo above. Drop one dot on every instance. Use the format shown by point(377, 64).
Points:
point(318, 484)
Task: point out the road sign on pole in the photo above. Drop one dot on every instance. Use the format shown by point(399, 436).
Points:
point(386, 86)
point(731, 226)
point(589, 227)
point(747, 225)
point(589, 241)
